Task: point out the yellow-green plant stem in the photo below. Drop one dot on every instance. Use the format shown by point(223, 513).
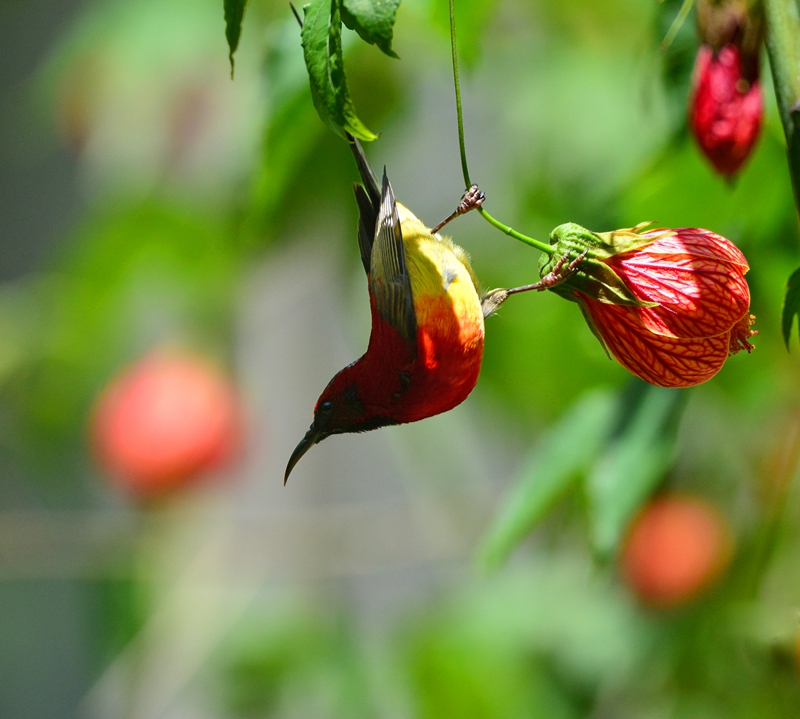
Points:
point(783, 47)
point(544, 247)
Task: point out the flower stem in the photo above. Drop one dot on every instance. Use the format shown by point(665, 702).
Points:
point(677, 24)
point(544, 247)
point(461, 144)
point(549, 249)
point(783, 47)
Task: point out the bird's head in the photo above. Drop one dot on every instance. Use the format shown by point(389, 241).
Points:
point(339, 409)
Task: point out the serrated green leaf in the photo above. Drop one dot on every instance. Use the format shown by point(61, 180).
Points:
point(635, 460)
point(566, 453)
point(791, 306)
point(373, 20)
point(234, 14)
point(322, 49)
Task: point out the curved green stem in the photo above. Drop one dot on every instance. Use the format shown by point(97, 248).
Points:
point(516, 235)
point(544, 247)
point(461, 144)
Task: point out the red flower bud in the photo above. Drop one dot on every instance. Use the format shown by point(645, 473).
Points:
point(670, 305)
point(675, 548)
point(164, 421)
point(725, 110)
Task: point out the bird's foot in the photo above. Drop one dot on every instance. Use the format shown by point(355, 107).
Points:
point(472, 199)
point(563, 270)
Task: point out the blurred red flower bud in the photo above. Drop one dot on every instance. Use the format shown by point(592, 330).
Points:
point(725, 109)
point(670, 305)
point(164, 421)
point(675, 548)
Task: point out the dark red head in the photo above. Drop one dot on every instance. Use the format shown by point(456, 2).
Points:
point(339, 409)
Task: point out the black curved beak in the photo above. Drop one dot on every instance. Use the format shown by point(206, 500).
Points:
point(313, 436)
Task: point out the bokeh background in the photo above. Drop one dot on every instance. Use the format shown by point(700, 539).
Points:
point(465, 566)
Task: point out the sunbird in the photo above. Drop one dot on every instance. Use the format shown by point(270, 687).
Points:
point(426, 344)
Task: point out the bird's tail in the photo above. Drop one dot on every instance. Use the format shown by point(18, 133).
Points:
point(371, 184)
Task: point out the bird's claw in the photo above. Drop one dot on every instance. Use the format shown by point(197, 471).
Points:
point(560, 273)
point(472, 199)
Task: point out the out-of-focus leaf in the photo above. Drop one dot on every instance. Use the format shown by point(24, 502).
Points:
point(373, 20)
point(791, 306)
point(267, 663)
point(453, 675)
point(322, 48)
point(133, 278)
point(290, 134)
point(680, 189)
point(234, 14)
point(566, 453)
point(640, 452)
point(677, 58)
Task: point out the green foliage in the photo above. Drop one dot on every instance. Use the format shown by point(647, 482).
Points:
point(322, 47)
point(619, 446)
point(234, 14)
point(297, 658)
point(133, 278)
point(561, 458)
point(791, 306)
point(637, 456)
point(373, 20)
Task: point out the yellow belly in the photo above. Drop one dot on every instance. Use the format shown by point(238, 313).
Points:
point(449, 318)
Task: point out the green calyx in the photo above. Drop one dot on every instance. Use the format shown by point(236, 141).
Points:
point(593, 277)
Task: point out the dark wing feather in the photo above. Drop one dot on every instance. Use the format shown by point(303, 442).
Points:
point(366, 172)
point(388, 276)
point(367, 219)
point(368, 198)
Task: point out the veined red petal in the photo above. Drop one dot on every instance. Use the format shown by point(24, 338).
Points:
point(697, 241)
point(658, 359)
point(699, 293)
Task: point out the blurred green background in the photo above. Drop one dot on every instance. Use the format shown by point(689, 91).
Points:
point(465, 566)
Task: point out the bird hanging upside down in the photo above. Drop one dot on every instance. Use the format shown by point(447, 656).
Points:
point(426, 346)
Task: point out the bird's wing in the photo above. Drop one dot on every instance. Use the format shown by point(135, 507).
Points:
point(368, 198)
point(367, 219)
point(389, 281)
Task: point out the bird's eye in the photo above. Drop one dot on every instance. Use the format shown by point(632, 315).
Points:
point(326, 408)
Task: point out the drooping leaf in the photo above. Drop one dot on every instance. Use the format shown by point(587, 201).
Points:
point(322, 48)
point(637, 457)
point(234, 14)
point(791, 306)
point(566, 453)
point(373, 20)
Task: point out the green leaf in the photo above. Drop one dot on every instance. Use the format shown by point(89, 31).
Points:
point(566, 454)
point(373, 20)
point(234, 14)
point(638, 456)
point(322, 48)
point(791, 306)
